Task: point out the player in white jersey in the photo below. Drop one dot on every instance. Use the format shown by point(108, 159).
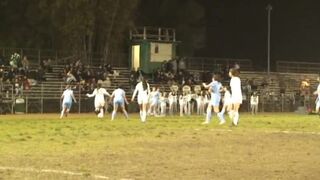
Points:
point(173, 102)
point(254, 103)
point(163, 104)
point(119, 98)
point(67, 97)
point(143, 91)
point(99, 101)
point(318, 98)
point(154, 101)
point(236, 95)
point(227, 104)
point(200, 103)
point(183, 104)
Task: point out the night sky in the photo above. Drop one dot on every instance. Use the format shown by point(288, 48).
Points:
point(238, 28)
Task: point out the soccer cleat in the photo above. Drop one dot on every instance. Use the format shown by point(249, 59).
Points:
point(222, 122)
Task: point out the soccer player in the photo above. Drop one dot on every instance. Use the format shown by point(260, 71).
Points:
point(227, 104)
point(119, 98)
point(200, 103)
point(214, 87)
point(99, 101)
point(67, 97)
point(254, 103)
point(173, 101)
point(318, 98)
point(183, 103)
point(163, 104)
point(143, 91)
point(154, 101)
point(236, 95)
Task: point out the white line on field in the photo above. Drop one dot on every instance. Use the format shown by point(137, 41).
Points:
point(70, 173)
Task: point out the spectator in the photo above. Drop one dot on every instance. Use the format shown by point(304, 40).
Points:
point(70, 78)
point(25, 63)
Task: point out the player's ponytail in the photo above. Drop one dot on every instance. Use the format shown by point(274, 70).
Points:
point(144, 84)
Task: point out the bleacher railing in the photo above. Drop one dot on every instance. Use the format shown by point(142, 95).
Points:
point(35, 56)
point(298, 67)
point(216, 64)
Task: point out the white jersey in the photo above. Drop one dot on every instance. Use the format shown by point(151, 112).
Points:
point(318, 91)
point(236, 93)
point(118, 94)
point(254, 100)
point(172, 98)
point(99, 94)
point(67, 96)
point(200, 100)
point(142, 93)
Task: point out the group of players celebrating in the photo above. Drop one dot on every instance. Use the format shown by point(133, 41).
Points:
point(155, 103)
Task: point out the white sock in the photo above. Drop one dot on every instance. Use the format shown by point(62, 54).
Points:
point(141, 114)
point(102, 112)
point(222, 111)
point(113, 115)
point(231, 114)
point(236, 118)
point(144, 116)
point(62, 113)
point(208, 117)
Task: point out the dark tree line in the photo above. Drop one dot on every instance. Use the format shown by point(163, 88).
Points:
point(82, 27)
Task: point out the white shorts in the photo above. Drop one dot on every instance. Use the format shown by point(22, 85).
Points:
point(143, 99)
point(99, 104)
point(236, 99)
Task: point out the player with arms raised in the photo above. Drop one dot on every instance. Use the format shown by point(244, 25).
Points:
point(99, 101)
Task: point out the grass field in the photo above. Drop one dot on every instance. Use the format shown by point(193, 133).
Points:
point(266, 146)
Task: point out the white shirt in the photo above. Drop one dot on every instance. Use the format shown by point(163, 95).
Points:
point(254, 100)
point(235, 85)
point(118, 94)
point(99, 94)
point(318, 90)
point(67, 96)
point(141, 92)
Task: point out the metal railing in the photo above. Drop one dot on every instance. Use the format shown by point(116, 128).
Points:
point(216, 64)
point(298, 67)
point(35, 56)
point(152, 33)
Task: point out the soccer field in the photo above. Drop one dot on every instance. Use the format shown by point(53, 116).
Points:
point(266, 146)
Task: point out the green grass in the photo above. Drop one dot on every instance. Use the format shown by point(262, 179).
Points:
point(163, 148)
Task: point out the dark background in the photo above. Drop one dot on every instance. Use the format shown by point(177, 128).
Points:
point(214, 28)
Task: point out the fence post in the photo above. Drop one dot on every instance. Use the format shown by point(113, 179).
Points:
point(41, 98)
point(12, 98)
point(26, 104)
point(79, 110)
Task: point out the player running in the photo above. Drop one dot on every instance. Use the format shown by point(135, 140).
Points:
point(143, 91)
point(99, 101)
point(119, 98)
point(67, 97)
point(236, 95)
point(214, 87)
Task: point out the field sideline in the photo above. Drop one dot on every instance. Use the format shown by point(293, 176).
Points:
point(266, 146)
